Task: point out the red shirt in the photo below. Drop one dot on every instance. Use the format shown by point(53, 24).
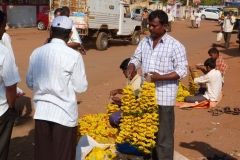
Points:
point(221, 65)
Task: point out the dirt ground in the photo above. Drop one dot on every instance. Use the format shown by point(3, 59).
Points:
point(197, 132)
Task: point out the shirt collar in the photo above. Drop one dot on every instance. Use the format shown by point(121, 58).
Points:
point(162, 40)
point(57, 40)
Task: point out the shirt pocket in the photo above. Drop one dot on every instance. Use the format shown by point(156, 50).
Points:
point(165, 64)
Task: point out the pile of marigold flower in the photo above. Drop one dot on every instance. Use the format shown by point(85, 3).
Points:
point(139, 119)
point(98, 127)
point(101, 154)
point(111, 108)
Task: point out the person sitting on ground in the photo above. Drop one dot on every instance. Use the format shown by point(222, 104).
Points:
point(220, 63)
point(213, 81)
point(135, 82)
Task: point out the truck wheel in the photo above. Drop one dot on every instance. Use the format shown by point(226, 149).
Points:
point(135, 38)
point(102, 41)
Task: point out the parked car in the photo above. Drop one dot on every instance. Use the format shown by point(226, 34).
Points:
point(210, 13)
point(42, 19)
point(137, 13)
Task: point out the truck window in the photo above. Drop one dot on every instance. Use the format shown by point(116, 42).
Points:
point(126, 12)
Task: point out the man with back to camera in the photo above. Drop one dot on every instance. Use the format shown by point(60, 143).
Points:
point(56, 73)
point(9, 78)
point(164, 58)
point(227, 28)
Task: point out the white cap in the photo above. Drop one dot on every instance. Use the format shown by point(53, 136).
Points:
point(62, 22)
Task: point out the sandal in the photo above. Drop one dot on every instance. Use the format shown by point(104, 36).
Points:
point(217, 112)
point(227, 110)
point(236, 111)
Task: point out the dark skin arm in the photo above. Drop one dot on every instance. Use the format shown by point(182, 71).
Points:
point(73, 45)
point(115, 92)
point(11, 93)
point(202, 69)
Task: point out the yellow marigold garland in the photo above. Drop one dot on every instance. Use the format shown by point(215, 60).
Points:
point(182, 92)
point(139, 118)
point(191, 85)
point(111, 108)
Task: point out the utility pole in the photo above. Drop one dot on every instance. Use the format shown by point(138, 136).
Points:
point(186, 13)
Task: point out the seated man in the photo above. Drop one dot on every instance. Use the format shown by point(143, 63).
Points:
point(135, 82)
point(213, 81)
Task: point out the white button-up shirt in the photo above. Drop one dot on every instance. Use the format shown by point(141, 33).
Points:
point(8, 75)
point(213, 80)
point(168, 56)
point(55, 73)
point(228, 24)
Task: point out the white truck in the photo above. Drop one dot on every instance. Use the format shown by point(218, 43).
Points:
point(101, 20)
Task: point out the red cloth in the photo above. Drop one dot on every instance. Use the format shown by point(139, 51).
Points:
point(221, 65)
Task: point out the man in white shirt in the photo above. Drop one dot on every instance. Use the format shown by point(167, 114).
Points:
point(192, 18)
point(227, 28)
point(9, 78)
point(170, 20)
point(55, 73)
point(74, 42)
point(198, 18)
point(213, 81)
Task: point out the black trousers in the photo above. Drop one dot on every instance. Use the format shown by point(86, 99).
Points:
point(54, 141)
point(165, 136)
point(227, 37)
point(6, 125)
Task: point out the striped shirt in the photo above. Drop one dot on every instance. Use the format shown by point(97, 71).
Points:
point(168, 56)
point(8, 75)
point(55, 73)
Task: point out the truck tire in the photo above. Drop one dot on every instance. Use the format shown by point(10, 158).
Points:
point(102, 41)
point(135, 38)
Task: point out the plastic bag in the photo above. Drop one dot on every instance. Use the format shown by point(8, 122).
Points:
point(128, 149)
point(219, 36)
point(85, 146)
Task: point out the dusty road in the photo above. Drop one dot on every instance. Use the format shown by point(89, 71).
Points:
point(195, 135)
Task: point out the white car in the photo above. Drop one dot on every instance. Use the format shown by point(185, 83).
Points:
point(210, 13)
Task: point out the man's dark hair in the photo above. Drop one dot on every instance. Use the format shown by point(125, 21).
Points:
point(64, 11)
point(124, 64)
point(58, 10)
point(160, 14)
point(60, 32)
point(210, 62)
point(2, 16)
point(230, 11)
point(213, 50)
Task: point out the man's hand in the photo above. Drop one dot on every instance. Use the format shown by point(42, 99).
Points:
point(130, 69)
point(11, 94)
point(152, 76)
point(82, 50)
point(116, 99)
point(114, 92)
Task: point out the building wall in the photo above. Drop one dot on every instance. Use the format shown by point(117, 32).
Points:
point(21, 16)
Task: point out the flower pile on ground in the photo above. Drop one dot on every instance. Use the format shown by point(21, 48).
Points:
point(98, 127)
point(101, 154)
point(139, 118)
